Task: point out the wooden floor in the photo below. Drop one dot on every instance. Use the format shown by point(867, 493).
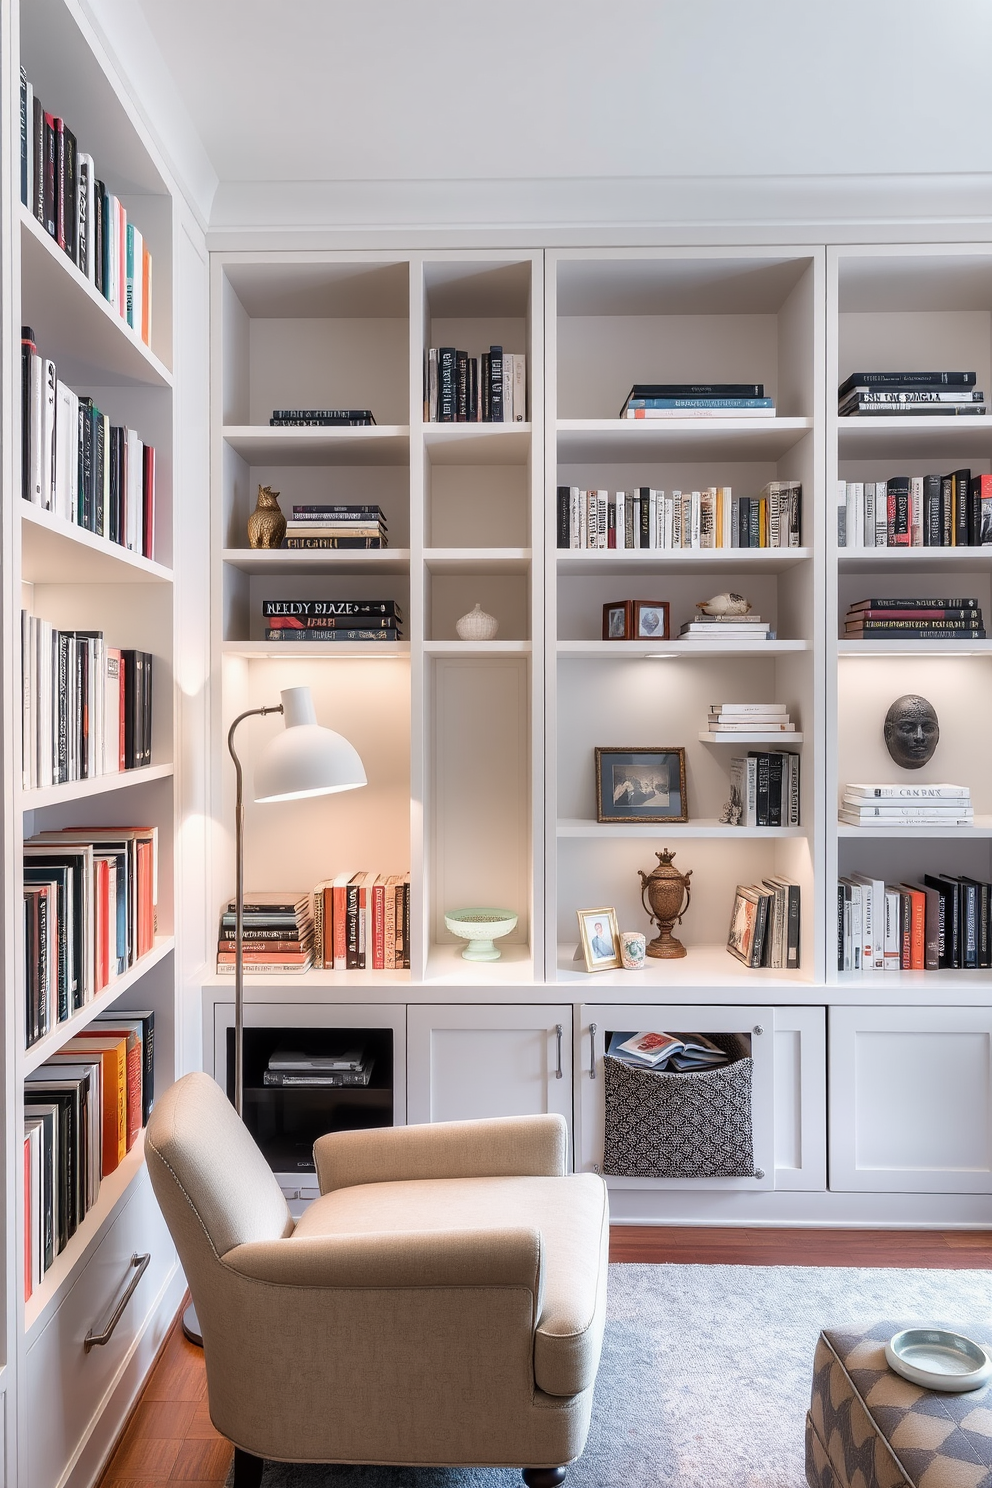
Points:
point(169, 1439)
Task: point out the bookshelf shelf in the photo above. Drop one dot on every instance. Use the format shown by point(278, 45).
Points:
point(478, 444)
point(95, 343)
point(982, 828)
point(490, 560)
point(632, 441)
point(477, 648)
point(54, 551)
point(932, 560)
point(946, 440)
point(697, 827)
point(447, 967)
point(879, 650)
point(91, 789)
point(702, 966)
point(280, 562)
point(779, 740)
point(672, 650)
point(379, 444)
point(314, 651)
point(635, 561)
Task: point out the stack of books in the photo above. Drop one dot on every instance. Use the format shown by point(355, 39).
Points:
point(278, 933)
point(712, 517)
point(943, 923)
point(678, 400)
point(931, 619)
point(330, 526)
point(330, 620)
point(362, 922)
point(463, 389)
point(764, 924)
point(292, 1067)
point(726, 719)
point(916, 511)
point(724, 628)
point(907, 806)
point(321, 418)
point(764, 789)
point(903, 393)
point(666, 1051)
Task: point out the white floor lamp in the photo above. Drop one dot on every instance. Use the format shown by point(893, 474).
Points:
point(304, 760)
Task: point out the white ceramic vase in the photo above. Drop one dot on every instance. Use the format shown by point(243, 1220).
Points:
point(477, 626)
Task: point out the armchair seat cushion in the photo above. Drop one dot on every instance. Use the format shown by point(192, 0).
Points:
point(570, 1213)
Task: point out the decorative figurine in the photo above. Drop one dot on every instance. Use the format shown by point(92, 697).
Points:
point(266, 525)
point(480, 927)
point(911, 731)
point(477, 626)
point(632, 949)
point(666, 889)
point(725, 605)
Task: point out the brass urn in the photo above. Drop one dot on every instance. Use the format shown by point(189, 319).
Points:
point(666, 889)
point(266, 525)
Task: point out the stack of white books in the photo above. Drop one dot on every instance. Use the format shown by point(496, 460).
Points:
point(725, 628)
point(907, 806)
point(749, 718)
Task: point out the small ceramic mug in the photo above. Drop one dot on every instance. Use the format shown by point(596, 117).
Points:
point(632, 949)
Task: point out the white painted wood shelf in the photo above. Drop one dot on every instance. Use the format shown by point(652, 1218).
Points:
point(375, 444)
point(697, 827)
point(749, 737)
point(633, 441)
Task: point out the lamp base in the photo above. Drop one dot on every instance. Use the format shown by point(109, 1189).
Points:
point(191, 1326)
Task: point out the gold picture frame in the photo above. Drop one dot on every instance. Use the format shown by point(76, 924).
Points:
point(645, 784)
point(597, 928)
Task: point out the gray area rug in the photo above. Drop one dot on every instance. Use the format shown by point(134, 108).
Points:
point(706, 1374)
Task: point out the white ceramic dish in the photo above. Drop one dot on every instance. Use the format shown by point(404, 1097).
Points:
point(938, 1359)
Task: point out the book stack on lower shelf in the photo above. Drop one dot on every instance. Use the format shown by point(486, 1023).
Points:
point(728, 720)
point(321, 418)
point(336, 527)
point(726, 628)
point(764, 924)
point(332, 620)
point(277, 931)
point(943, 923)
point(83, 1110)
point(901, 393)
point(906, 806)
point(678, 400)
point(362, 922)
point(930, 619)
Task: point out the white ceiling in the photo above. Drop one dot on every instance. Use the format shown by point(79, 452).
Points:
point(405, 90)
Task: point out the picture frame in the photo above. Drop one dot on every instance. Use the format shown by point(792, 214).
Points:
point(597, 931)
point(617, 620)
point(641, 784)
point(743, 924)
point(649, 621)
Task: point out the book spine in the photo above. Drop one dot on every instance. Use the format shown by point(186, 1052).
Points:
point(960, 498)
point(496, 384)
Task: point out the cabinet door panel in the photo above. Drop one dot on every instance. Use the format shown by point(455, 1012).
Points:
point(470, 1062)
point(911, 1100)
point(800, 1099)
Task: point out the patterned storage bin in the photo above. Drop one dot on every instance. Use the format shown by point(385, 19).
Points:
point(689, 1124)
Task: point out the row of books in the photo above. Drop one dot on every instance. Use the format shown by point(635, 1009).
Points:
point(463, 389)
point(328, 526)
point(86, 707)
point(942, 923)
point(712, 517)
point(321, 418)
point(764, 789)
point(668, 1052)
point(90, 899)
point(292, 1068)
point(59, 187)
point(678, 400)
point(83, 1111)
point(332, 620)
point(352, 922)
point(895, 393)
point(927, 619)
point(908, 806)
point(916, 511)
point(764, 924)
point(77, 464)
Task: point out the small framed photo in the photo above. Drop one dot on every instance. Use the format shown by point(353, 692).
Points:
point(641, 785)
point(650, 620)
point(743, 923)
point(600, 938)
point(617, 621)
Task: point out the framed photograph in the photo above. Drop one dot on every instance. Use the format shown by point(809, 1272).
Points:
point(616, 621)
point(600, 938)
point(743, 924)
point(650, 620)
point(641, 785)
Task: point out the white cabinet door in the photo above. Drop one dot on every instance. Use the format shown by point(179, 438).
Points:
point(470, 1061)
point(911, 1100)
point(801, 1098)
point(598, 1023)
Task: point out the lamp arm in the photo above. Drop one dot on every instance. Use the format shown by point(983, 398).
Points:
point(239, 901)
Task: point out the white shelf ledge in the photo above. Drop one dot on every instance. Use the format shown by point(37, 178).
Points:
point(98, 785)
point(477, 444)
point(629, 440)
point(906, 437)
point(628, 650)
point(478, 560)
point(703, 965)
point(54, 551)
point(939, 560)
point(305, 562)
point(873, 650)
point(982, 828)
point(749, 738)
point(605, 561)
point(376, 444)
point(697, 827)
point(447, 966)
point(316, 650)
point(478, 648)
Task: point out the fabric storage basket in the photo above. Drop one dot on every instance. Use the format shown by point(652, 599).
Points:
point(689, 1124)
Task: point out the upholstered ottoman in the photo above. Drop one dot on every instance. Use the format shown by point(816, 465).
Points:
point(870, 1428)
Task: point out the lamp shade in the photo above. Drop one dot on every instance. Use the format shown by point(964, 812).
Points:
point(305, 759)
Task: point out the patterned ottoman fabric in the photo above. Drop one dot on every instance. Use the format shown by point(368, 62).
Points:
point(869, 1428)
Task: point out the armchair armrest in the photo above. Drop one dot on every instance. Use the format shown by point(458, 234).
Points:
point(507, 1147)
point(506, 1257)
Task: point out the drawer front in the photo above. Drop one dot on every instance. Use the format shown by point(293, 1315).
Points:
point(59, 1368)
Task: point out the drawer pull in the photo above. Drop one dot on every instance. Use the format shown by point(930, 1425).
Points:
point(559, 1030)
point(592, 1051)
point(94, 1340)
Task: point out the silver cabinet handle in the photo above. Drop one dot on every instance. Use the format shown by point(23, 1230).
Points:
point(592, 1051)
point(94, 1340)
point(559, 1030)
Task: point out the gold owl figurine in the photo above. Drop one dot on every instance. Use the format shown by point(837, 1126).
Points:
point(266, 525)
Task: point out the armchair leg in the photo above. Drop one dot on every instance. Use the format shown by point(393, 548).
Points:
point(248, 1469)
point(543, 1477)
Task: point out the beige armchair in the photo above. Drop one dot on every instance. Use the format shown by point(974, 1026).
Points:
point(441, 1303)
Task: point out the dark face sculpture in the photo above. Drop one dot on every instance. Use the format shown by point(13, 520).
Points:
point(911, 731)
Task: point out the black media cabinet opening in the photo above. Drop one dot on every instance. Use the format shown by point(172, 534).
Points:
point(286, 1120)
